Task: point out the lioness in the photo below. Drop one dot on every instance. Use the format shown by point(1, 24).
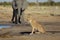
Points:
point(35, 25)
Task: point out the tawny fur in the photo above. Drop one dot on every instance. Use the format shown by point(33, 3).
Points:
point(35, 25)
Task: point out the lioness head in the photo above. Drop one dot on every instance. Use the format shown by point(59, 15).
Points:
point(29, 17)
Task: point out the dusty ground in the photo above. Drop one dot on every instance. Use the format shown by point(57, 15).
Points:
point(22, 31)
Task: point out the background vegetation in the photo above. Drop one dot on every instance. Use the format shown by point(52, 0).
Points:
point(51, 3)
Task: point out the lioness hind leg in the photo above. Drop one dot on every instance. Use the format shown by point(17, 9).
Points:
point(38, 32)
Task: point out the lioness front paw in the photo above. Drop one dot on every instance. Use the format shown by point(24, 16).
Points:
point(31, 33)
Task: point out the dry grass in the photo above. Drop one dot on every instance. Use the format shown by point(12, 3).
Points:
point(42, 14)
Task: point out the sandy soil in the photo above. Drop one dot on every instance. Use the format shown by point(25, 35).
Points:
point(22, 31)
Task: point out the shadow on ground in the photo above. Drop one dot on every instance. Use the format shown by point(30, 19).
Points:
point(53, 32)
point(23, 33)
